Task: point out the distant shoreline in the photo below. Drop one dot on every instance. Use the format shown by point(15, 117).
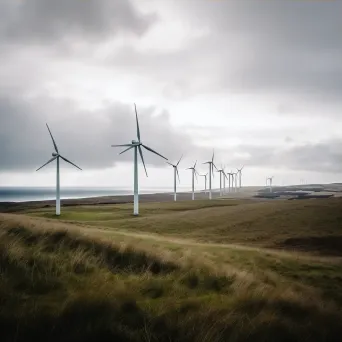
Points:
point(100, 200)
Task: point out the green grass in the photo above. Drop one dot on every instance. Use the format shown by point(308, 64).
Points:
point(314, 225)
point(187, 271)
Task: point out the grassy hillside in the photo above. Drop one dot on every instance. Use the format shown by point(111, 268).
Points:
point(306, 225)
point(94, 278)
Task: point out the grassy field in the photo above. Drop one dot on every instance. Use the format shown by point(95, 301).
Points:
point(222, 270)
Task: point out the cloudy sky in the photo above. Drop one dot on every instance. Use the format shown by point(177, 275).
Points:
point(259, 81)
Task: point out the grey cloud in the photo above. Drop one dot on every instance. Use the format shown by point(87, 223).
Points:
point(47, 21)
point(84, 137)
point(324, 156)
point(278, 47)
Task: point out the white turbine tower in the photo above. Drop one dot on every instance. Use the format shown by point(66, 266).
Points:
point(205, 182)
point(230, 182)
point(175, 171)
point(234, 180)
point(222, 173)
point(194, 173)
point(56, 155)
point(271, 181)
point(240, 175)
point(211, 172)
point(137, 147)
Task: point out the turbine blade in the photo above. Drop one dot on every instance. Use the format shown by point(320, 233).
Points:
point(212, 159)
point(136, 117)
point(142, 158)
point(178, 174)
point(170, 164)
point(53, 140)
point(215, 167)
point(150, 149)
point(48, 162)
point(123, 145)
point(196, 175)
point(212, 169)
point(68, 161)
point(179, 160)
point(207, 162)
point(195, 164)
point(126, 150)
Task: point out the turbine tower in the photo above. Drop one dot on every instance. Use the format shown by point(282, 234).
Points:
point(222, 173)
point(137, 146)
point(211, 172)
point(175, 171)
point(194, 173)
point(230, 183)
point(240, 175)
point(56, 155)
point(234, 180)
point(271, 181)
point(205, 182)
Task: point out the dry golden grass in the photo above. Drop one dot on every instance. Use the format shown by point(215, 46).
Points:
point(92, 276)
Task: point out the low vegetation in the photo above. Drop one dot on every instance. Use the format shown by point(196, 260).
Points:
point(90, 276)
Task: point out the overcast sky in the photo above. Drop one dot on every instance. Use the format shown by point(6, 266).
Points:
point(259, 81)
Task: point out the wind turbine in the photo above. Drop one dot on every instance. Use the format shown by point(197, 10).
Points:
point(137, 145)
point(221, 171)
point(205, 182)
point(211, 172)
point(194, 173)
point(240, 175)
point(234, 181)
point(271, 180)
point(175, 171)
point(56, 155)
point(230, 183)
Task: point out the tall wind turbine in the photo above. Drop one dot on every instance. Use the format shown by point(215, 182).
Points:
point(211, 172)
point(194, 173)
point(137, 146)
point(205, 182)
point(240, 175)
point(175, 172)
point(56, 155)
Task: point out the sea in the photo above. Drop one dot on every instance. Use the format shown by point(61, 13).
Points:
point(24, 194)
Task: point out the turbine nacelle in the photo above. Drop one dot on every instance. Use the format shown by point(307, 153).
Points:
point(134, 142)
point(54, 154)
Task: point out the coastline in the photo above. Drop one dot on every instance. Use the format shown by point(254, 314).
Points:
point(100, 200)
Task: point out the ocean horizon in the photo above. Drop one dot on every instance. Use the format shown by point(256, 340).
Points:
point(25, 194)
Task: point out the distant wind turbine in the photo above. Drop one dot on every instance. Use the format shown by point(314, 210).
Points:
point(235, 175)
point(56, 155)
point(205, 182)
point(211, 172)
point(222, 175)
point(194, 174)
point(240, 175)
point(230, 182)
point(137, 146)
point(176, 174)
point(270, 179)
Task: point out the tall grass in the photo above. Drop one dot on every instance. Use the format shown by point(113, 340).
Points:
point(58, 285)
